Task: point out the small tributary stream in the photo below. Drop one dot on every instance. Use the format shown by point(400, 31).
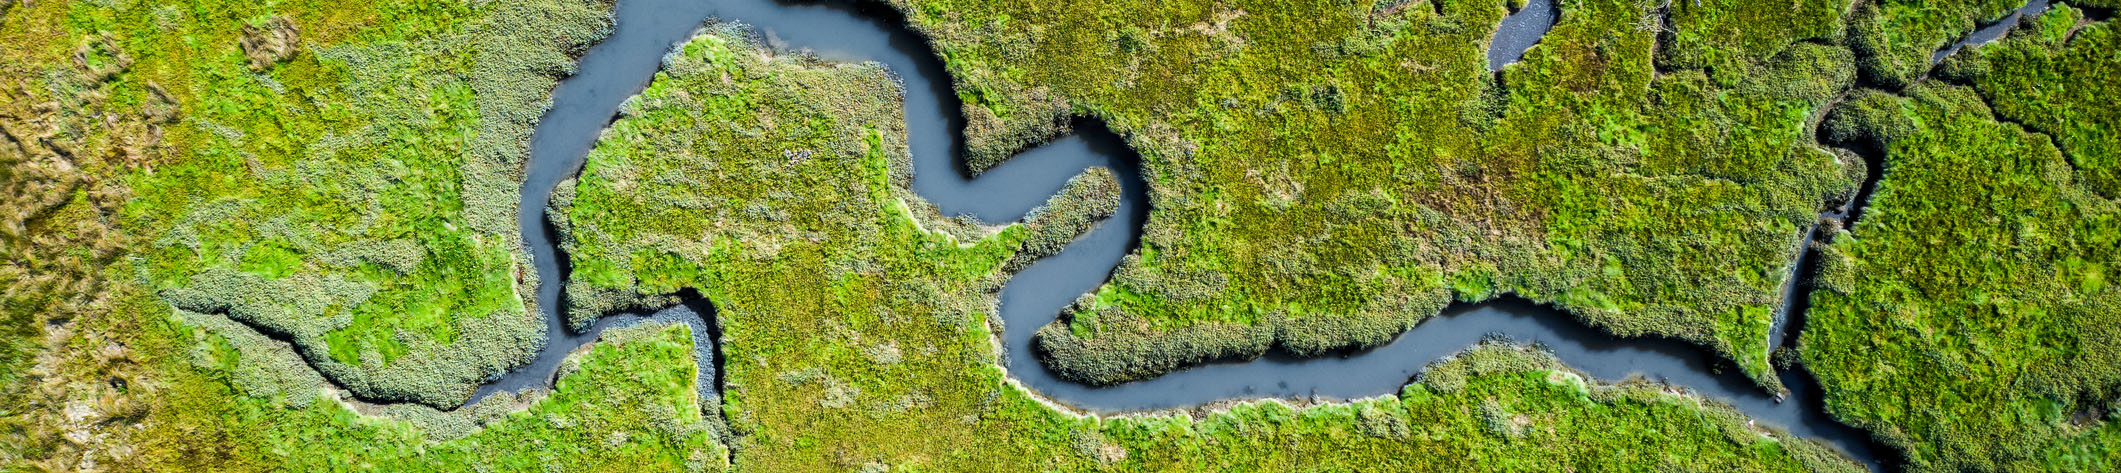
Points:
point(1993, 30)
point(1520, 30)
point(621, 66)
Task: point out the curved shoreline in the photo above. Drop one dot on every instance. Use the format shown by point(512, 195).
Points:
point(621, 65)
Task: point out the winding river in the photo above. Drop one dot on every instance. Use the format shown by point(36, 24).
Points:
point(621, 65)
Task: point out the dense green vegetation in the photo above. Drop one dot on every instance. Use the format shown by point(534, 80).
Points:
point(2056, 77)
point(253, 159)
point(192, 183)
point(2006, 350)
point(1327, 174)
point(857, 338)
point(1970, 317)
point(1174, 77)
point(627, 403)
point(1896, 38)
point(345, 183)
point(363, 197)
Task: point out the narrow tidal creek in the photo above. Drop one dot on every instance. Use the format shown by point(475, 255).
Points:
point(1520, 30)
point(1992, 31)
point(622, 65)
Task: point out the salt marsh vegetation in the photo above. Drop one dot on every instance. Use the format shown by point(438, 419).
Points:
point(859, 338)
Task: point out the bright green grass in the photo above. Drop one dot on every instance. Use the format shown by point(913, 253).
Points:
point(358, 196)
point(855, 339)
point(1970, 317)
point(1541, 180)
point(2057, 77)
point(1329, 174)
point(1969, 328)
point(1896, 38)
point(245, 402)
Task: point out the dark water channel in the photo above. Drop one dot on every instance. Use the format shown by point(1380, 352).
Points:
point(1993, 30)
point(1520, 30)
point(620, 66)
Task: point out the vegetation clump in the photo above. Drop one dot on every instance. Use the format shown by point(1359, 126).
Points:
point(1897, 40)
point(1088, 200)
point(2055, 76)
point(1969, 318)
point(1900, 40)
point(275, 41)
point(626, 402)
